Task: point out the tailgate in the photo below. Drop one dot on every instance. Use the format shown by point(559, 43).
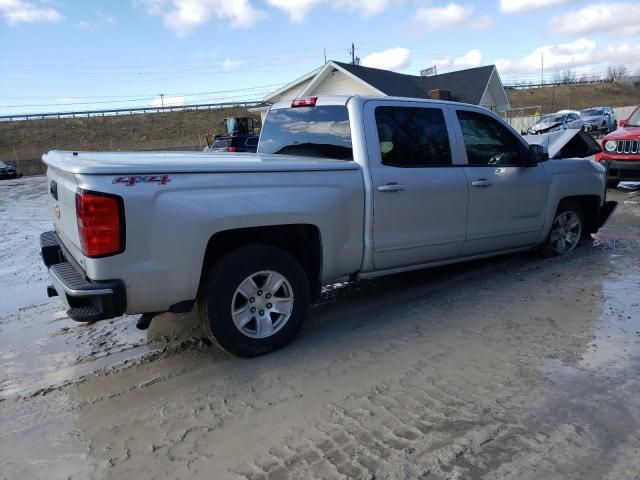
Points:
point(62, 207)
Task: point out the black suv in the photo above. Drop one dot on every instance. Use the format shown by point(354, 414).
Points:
point(240, 143)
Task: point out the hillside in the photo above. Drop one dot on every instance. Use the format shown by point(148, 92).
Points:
point(26, 140)
point(576, 97)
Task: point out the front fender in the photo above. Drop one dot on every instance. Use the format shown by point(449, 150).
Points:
point(572, 178)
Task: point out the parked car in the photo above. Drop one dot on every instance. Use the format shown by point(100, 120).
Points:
point(250, 239)
point(621, 151)
point(243, 143)
point(7, 171)
point(556, 121)
point(599, 120)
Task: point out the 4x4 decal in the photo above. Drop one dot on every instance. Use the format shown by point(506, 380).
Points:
point(131, 180)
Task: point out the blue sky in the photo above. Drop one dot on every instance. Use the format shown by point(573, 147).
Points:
point(72, 55)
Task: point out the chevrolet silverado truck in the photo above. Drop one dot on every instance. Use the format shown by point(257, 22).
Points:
point(621, 151)
point(341, 188)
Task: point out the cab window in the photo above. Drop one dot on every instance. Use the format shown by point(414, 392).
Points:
point(488, 142)
point(412, 137)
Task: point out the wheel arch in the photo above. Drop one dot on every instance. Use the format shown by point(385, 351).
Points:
point(302, 241)
point(590, 205)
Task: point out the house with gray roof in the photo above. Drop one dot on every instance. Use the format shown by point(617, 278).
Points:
point(479, 86)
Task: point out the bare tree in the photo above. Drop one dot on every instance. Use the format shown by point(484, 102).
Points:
point(616, 73)
point(565, 76)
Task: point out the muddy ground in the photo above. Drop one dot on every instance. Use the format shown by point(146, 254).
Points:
point(509, 368)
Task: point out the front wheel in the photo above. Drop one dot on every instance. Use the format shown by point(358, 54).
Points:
point(566, 230)
point(254, 300)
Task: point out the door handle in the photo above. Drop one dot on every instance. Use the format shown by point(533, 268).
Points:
point(481, 182)
point(391, 187)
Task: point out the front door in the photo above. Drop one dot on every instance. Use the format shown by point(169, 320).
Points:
point(419, 196)
point(507, 200)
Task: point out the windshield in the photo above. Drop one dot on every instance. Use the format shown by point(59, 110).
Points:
point(308, 131)
point(634, 119)
point(222, 143)
point(591, 112)
point(552, 119)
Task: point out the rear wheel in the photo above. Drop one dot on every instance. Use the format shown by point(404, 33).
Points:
point(566, 230)
point(254, 300)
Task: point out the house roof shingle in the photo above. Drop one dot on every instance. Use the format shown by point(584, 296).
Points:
point(466, 86)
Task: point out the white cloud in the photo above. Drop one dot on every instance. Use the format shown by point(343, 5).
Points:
point(297, 10)
point(453, 15)
point(614, 18)
point(366, 8)
point(517, 6)
point(98, 20)
point(473, 58)
point(393, 59)
point(183, 16)
point(173, 101)
point(583, 55)
point(482, 23)
point(231, 64)
point(19, 11)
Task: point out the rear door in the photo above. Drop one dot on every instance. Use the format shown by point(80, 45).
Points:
point(507, 200)
point(420, 191)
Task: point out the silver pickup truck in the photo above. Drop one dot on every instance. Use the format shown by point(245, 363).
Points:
point(342, 188)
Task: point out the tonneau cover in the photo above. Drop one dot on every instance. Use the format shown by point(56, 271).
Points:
point(186, 162)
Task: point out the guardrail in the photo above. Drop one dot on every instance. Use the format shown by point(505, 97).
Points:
point(551, 83)
point(126, 111)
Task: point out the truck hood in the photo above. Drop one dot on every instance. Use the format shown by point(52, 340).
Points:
point(570, 143)
point(102, 163)
point(624, 133)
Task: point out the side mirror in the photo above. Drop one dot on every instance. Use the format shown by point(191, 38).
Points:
point(622, 123)
point(535, 155)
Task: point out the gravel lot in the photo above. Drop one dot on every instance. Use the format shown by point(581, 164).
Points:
point(509, 368)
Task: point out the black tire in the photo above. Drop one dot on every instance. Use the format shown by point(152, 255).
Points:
point(612, 183)
point(217, 294)
point(546, 249)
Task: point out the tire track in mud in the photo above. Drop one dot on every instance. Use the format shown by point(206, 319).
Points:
point(409, 428)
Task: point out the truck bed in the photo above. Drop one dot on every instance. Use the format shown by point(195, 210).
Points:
point(186, 162)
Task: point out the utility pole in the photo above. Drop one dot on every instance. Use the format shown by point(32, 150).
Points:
point(325, 54)
point(162, 99)
point(541, 68)
point(353, 54)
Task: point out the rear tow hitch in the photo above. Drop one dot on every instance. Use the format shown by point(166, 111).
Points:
point(145, 320)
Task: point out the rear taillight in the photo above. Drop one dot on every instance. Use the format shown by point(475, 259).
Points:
point(100, 223)
point(304, 102)
point(232, 149)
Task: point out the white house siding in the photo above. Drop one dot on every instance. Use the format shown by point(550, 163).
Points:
point(488, 100)
point(293, 92)
point(337, 83)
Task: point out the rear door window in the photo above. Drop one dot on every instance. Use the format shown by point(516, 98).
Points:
point(413, 137)
point(321, 131)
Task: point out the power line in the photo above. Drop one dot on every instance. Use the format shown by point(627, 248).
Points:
point(153, 97)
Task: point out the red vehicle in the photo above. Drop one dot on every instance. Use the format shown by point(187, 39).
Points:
point(621, 151)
